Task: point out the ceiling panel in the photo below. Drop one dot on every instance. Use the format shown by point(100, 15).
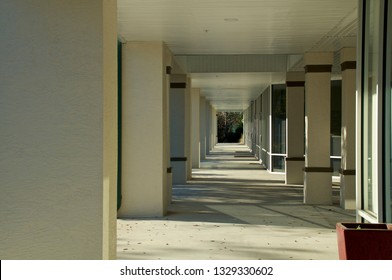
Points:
point(240, 27)
point(234, 90)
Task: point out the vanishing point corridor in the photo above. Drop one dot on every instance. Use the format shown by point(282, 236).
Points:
point(234, 209)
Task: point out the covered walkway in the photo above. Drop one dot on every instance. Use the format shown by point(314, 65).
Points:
point(234, 209)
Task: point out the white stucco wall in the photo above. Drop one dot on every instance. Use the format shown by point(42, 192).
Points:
point(51, 123)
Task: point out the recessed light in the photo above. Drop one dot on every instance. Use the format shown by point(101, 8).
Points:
point(231, 19)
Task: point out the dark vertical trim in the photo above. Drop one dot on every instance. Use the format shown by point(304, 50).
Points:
point(119, 123)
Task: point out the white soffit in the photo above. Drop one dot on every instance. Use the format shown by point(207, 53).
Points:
point(206, 29)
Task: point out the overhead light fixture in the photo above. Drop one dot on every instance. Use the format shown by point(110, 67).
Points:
point(231, 19)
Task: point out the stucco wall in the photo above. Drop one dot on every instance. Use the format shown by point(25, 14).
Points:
point(51, 123)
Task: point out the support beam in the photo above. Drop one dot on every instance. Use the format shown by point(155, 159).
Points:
point(145, 124)
point(295, 160)
point(318, 171)
point(347, 172)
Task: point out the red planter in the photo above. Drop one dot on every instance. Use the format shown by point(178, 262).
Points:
point(360, 241)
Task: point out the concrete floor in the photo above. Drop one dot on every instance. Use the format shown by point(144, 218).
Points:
point(234, 209)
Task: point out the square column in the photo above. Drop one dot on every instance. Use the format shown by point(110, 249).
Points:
point(195, 127)
point(58, 123)
point(144, 129)
point(318, 171)
point(295, 127)
point(188, 127)
point(347, 172)
point(178, 127)
point(208, 127)
point(203, 130)
point(214, 125)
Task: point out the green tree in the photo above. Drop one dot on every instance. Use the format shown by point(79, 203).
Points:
point(230, 127)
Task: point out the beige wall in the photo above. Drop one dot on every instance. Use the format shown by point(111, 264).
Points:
point(57, 84)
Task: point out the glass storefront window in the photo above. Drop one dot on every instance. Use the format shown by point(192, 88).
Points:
point(370, 107)
point(278, 164)
point(278, 114)
point(279, 119)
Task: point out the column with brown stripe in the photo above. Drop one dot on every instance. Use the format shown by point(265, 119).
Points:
point(347, 172)
point(178, 137)
point(317, 171)
point(195, 127)
point(203, 127)
point(295, 160)
point(145, 134)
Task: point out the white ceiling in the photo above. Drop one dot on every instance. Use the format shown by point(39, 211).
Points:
point(239, 27)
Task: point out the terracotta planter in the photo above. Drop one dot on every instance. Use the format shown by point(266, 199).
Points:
point(360, 241)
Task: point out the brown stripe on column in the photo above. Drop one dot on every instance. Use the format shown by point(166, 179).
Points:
point(347, 171)
point(169, 170)
point(178, 159)
point(177, 85)
point(318, 68)
point(318, 169)
point(347, 65)
point(295, 159)
point(168, 70)
point(295, 84)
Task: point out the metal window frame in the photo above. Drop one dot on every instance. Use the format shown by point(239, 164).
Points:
point(362, 214)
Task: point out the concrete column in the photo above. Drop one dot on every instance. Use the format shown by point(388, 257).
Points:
point(208, 127)
point(195, 127)
point(213, 127)
point(178, 127)
point(203, 138)
point(247, 128)
point(58, 123)
point(318, 171)
point(144, 130)
point(166, 125)
point(188, 119)
point(295, 127)
point(347, 172)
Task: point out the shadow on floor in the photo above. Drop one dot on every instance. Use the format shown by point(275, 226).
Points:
point(235, 213)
